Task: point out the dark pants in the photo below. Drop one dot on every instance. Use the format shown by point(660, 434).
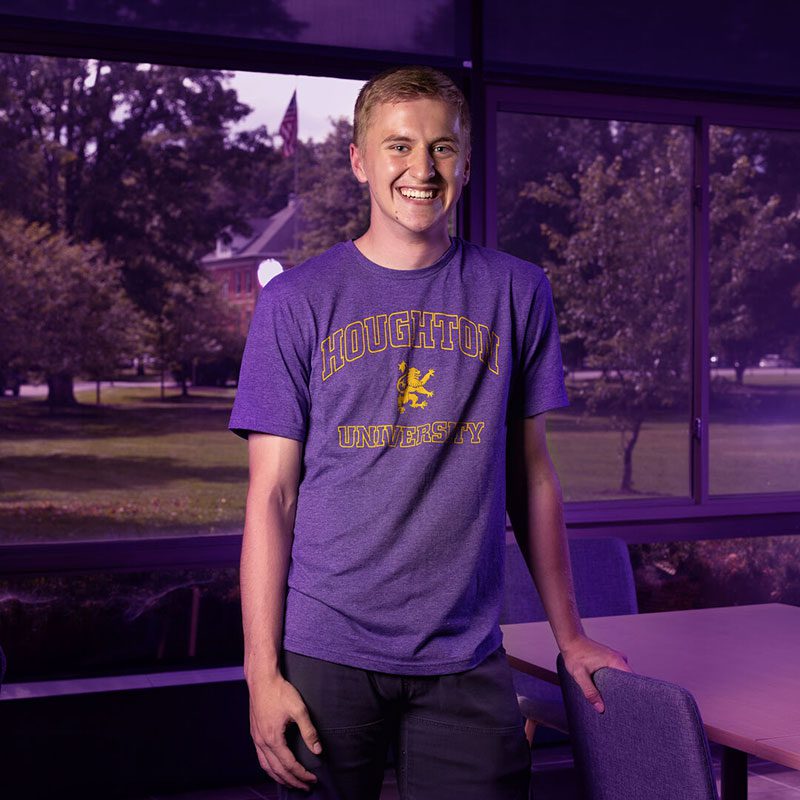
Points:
point(459, 735)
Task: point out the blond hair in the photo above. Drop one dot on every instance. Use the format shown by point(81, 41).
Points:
point(408, 83)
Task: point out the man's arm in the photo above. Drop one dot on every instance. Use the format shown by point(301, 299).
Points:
point(535, 507)
point(266, 549)
point(263, 571)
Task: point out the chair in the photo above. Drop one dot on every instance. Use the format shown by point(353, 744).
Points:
point(604, 586)
point(648, 744)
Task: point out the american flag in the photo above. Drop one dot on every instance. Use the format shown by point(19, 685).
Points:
point(288, 129)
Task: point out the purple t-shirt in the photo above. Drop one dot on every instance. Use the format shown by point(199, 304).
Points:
point(400, 383)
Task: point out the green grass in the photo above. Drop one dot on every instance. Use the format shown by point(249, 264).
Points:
point(755, 458)
point(588, 457)
point(766, 377)
point(744, 458)
point(135, 465)
point(139, 466)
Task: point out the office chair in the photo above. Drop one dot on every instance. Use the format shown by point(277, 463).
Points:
point(648, 744)
point(604, 586)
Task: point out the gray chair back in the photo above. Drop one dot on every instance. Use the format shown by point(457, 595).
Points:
point(601, 572)
point(648, 744)
point(604, 586)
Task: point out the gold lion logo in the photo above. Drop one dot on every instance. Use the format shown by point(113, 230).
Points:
point(410, 385)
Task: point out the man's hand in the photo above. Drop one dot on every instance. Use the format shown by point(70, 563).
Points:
point(583, 656)
point(274, 703)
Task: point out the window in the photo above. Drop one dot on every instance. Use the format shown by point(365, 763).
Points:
point(754, 332)
point(604, 205)
point(134, 463)
point(130, 461)
point(670, 232)
point(105, 623)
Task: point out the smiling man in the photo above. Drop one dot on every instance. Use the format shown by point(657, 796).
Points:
point(393, 390)
point(415, 157)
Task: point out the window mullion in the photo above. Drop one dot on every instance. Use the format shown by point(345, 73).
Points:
point(699, 424)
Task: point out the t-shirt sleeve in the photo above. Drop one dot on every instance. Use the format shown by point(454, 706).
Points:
point(539, 381)
point(272, 395)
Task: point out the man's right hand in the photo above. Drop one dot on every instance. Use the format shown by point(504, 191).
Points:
point(274, 703)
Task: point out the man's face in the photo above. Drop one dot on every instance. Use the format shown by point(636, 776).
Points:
point(412, 145)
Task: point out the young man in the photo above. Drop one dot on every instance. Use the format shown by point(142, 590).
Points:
point(389, 388)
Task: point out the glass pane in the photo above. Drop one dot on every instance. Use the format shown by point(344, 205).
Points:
point(603, 206)
point(716, 572)
point(410, 27)
point(689, 42)
point(141, 209)
point(95, 624)
point(754, 334)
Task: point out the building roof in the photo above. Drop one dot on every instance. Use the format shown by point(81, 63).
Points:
point(272, 237)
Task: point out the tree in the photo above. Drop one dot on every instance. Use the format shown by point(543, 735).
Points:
point(137, 157)
point(65, 311)
point(195, 323)
point(610, 222)
point(335, 205)
point(754, 267)
point(622, 267)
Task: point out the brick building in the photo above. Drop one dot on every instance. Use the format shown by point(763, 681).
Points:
point(235, 266)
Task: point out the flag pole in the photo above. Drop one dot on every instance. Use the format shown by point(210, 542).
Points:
point(296, 157)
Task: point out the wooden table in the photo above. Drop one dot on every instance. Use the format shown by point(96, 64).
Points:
point(741, 663)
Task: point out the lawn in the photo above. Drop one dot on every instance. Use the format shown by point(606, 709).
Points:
point(134, 466)
point(139, 466)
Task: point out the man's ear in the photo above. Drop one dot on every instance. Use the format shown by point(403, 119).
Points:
point(356, 164)
point(466, 169)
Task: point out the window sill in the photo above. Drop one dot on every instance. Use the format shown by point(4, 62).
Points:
point(118, 683)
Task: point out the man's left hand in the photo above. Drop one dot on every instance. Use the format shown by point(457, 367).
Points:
point(583, 656)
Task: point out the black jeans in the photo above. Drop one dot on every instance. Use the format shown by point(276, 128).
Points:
point(459, 735)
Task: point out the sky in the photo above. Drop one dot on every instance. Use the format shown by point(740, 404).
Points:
point(317, 99)
point(268, 94)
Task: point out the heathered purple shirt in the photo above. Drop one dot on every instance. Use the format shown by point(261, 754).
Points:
point(400, 383)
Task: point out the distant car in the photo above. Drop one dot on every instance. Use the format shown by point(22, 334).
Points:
point(774, 360)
